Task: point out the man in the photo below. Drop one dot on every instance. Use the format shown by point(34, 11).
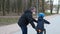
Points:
point(27, 18)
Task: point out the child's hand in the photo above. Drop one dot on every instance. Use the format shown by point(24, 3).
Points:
point(39, 30)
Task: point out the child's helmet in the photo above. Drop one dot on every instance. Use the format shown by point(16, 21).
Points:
point(41, 15)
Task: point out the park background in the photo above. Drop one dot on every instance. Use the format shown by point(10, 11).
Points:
point(11, 10)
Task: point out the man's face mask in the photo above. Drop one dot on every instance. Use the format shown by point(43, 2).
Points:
point(33, 12)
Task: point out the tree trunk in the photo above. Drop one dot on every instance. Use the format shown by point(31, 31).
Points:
point(51, 5)
point(57, 9)
point(43, 6)
point(19, 3)
point(3, 1)
point(29, 4)
point(58, 6)
point(8, 6)
point(0, 5)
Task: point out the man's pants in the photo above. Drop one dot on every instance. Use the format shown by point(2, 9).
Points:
point(24, 30)
point(40, 32)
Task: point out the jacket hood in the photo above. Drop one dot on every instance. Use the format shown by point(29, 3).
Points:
point(28, 11)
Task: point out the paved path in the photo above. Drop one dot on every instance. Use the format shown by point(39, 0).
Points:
point(53, 28)
point(8, 29)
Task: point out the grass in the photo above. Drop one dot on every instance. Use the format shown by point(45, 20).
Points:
point(48, 14)
point(7, 21)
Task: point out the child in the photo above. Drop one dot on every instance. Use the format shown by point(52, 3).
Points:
point(40, 24)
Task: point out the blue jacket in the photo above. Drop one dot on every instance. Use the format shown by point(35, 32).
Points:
point(40, 24)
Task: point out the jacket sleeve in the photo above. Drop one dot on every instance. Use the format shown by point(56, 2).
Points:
point(46, 21)
point(30, 19)
point(35, 20)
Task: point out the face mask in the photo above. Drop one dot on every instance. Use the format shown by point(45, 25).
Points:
point(33, 12)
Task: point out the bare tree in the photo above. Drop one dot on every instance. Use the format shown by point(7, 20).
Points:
point(43, 6)
point(15, 6)
point(0, 4)
point(8, 6)
point(19, 6)
point(51, 5)
point(58, 7)
point(29, 3)
point(3, 2)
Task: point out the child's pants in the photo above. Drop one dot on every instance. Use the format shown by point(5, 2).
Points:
point(40, 32)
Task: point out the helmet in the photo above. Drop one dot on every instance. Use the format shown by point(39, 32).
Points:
point(41, 15)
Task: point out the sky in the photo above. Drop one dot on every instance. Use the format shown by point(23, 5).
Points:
point(55, 2)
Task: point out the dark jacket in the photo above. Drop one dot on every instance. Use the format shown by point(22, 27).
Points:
point(41, 22)
point(26, 18)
